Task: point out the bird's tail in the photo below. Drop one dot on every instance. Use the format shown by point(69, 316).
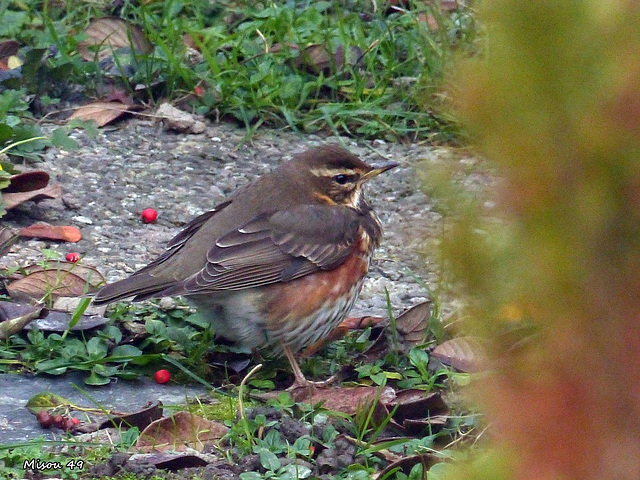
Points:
point(138, 287)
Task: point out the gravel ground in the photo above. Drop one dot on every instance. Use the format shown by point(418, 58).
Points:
point(110, 179)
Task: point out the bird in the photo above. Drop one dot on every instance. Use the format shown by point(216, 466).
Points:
point(277, 265)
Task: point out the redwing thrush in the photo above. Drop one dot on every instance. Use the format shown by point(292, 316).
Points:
point(280, 263)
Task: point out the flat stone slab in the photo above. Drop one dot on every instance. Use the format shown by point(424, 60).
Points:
point(18, 424)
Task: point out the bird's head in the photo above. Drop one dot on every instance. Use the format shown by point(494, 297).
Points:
point(336, 176)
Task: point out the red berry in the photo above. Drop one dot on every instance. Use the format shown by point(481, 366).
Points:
point(75, 420)
point(44, 419)
point(149, 215)
point(73, 257)
point(59, 421)
point(162, 376)
point(199, 91)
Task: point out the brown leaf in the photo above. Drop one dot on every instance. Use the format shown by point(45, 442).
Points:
point(27, 181)
point(414, 403)
point(413, 325)
point(12, 200)
point(462, 353)
point(417, 411)
point(9, 310)
point(89, 274)
point(318, 58)
point(56, 282)
point(110, 33)
point(8, 237)
point(360, 323)
point(141, 419)
point(180, 431)
point(343, 399)
point(51, 232)
point(16, 323)
point(100, 112)
point(8, 48)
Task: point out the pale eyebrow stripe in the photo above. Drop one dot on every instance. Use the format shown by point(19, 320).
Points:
point(329, 172)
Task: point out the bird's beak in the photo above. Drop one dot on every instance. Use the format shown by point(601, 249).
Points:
point(377, 171)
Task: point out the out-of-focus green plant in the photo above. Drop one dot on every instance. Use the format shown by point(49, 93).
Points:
point(555, 106)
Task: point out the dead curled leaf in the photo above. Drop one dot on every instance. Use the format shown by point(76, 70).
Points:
point(65, 233)
point(109, 34)
point(413, 325)
point(89, 274)
point(318, 58)
point(178, 432)
point(343, 399)
point(102, 113)
point(462, 353)
point(8, 48)
point(60, 279)
point(13, 317)
point(140, 419)
point(12, 200)
point(8, 237)
point(27, 181)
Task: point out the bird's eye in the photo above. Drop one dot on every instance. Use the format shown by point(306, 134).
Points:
point(341, 179)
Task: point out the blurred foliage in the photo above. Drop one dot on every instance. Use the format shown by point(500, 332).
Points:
point(555, 107)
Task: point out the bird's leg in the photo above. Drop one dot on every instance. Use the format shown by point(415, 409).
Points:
point(299, 379)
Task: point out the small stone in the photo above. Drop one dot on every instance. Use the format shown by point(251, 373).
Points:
point(167, 303)
point(83, 219)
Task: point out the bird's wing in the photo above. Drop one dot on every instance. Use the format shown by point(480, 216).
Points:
point(181, 238)
point(143, 283)
point(275, 248)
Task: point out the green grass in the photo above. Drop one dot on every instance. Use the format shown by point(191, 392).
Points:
point(385, 86)
point(254, 63)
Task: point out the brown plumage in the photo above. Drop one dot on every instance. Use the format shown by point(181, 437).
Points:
point(280, 263)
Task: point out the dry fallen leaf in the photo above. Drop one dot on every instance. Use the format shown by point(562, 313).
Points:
point(462, 353)
point(141, 419)
point(317, 58)
point(107, 419)
point(180, 431)
point(12, 200)
point(9, 48)
point(111, 33)
point(27, 181)
point(343, 399)
point(89, 274)
point(10, 325)
point(65, 233)
point(61, 279)
point(8, 237)
point(413, 325)
point(101, 113)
